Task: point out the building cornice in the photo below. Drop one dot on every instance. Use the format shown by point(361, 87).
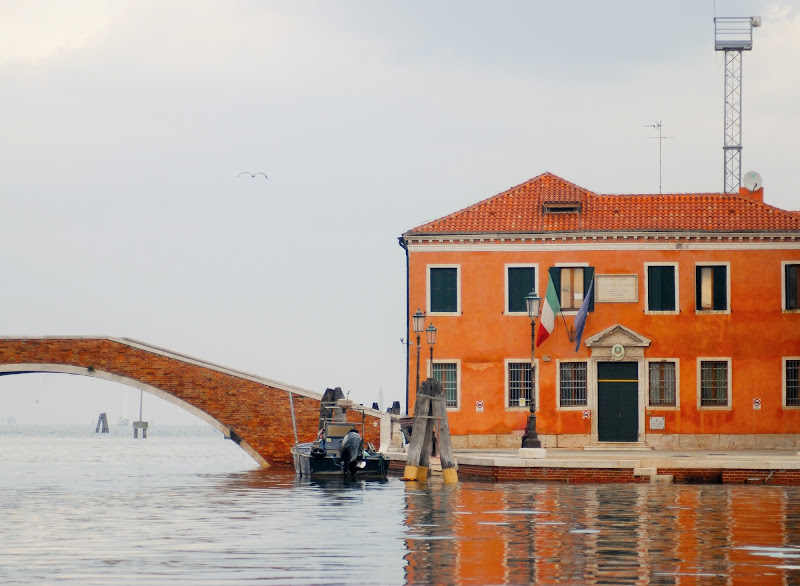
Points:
point(603, 240)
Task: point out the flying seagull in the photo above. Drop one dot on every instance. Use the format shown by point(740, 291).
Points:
point(252, 175)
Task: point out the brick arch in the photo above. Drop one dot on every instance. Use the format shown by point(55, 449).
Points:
point(256, 412)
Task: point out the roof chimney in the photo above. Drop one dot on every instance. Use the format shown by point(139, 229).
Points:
point(757, 195)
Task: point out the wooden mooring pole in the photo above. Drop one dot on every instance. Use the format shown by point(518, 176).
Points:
point(102, 423)
point(430, 413)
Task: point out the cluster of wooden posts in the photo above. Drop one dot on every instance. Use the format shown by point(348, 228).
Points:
point(430, 416)
point(102, 424)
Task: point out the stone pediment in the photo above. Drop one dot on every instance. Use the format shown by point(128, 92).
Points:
point(617, 334)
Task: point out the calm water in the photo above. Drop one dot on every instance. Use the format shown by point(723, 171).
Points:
point(186, 506)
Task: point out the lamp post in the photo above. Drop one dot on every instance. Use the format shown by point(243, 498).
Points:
point(419, 326)
point(431, 335)
point(531, 439)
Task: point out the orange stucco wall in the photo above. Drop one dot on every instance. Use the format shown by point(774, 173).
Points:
point(756, 335)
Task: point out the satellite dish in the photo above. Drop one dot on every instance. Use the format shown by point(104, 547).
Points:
point(752, 181)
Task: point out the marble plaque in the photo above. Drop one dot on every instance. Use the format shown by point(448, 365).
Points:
point(616, 288)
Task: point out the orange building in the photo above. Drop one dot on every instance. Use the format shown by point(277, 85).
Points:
point(692, 336)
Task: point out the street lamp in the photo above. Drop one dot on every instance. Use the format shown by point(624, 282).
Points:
point(531, 439)
point(419, 326)
point(431, 335)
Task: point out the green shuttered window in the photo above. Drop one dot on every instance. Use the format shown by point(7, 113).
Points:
point(661, 288)
point(521, 281)
point(444, 290)
point(792, 284)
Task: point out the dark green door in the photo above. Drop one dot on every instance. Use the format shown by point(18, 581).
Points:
point(617, 402)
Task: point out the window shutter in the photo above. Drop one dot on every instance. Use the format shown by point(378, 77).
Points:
point(444, 289)
point(588, 276)
point(792, 281)
point(668, 289)
point(661, 288)
point(654, 301)
point(521, 280)
point(720, 288)
point(555, 278)
point(698, 287)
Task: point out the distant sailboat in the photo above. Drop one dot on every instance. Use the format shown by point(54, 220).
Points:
point(126, 410)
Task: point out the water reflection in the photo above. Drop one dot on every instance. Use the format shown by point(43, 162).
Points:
point(618, 534)
point(190, 508)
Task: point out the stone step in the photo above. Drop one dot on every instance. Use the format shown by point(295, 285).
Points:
point(662, 479)
point(645, 471)
point(598, 446)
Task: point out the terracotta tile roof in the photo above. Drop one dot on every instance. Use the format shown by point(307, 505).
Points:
point(521, 210)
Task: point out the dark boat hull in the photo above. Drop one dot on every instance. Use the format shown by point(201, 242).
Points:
point(307, 464)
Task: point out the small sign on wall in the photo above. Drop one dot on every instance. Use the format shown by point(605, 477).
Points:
point(657, 423)
point(756, 404)
point(587, 414)
point(479, 406)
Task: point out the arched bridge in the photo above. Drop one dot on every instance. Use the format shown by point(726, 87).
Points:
point(259, 414)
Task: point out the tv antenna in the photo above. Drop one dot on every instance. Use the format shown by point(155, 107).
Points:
point(733, 34)
point(661, 140)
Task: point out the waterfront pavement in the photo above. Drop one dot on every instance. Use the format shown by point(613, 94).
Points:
point(658, 464)
point(579, 458)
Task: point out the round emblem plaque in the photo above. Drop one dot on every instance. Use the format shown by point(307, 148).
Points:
point(617, 352)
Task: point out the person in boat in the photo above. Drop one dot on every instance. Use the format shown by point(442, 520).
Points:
point(321, 438)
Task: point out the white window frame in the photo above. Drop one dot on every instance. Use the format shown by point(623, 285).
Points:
point(523, 265)
point(784, 264)
point(783, 385)
point(428, 290)
point(457, 362)
point(677, 405)
point(647, 309)
point(535, 394)
point(728, 280)
point(569, 265)
point(559, 406)
point(700, 361)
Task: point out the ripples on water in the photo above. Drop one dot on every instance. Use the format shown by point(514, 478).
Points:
point(186, 506)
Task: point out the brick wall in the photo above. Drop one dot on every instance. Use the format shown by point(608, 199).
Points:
point(567, 475)
point(256, 412)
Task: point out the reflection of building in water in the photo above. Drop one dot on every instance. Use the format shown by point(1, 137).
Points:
point(545, 533)
point(431, 539)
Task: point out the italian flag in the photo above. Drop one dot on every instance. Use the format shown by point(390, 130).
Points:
point(550, 308)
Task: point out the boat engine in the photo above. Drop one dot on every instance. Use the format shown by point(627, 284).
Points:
point(351, 451)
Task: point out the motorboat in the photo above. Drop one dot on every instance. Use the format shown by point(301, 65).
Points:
point(339, 448)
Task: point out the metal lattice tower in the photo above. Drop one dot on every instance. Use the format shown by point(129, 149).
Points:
point(733, 34)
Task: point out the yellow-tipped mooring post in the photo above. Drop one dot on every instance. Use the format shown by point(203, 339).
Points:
point(439, 413)
point(430, 412)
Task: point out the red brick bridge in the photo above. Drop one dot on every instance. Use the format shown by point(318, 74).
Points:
point(261, 415)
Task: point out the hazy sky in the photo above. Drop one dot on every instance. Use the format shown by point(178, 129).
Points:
point(124, 125)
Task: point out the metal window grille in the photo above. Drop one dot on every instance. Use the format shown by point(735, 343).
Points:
point(662, 383)
point(445, 373)
point(713, 383)
point(793, 383)
point(519, 384)
point(573, 383)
